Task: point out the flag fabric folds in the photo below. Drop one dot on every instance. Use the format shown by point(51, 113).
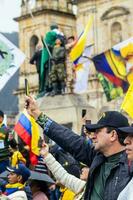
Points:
point(110, 90)
point(28, 130)
point(79, 47)
point(81, 67)
point(127, 102)
point(125, 50)
point(112, 67)
point(81, 78)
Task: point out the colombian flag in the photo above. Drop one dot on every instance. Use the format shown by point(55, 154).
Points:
point(28, 130)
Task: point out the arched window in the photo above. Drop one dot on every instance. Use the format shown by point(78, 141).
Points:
point(33, 42)
point(116, 33)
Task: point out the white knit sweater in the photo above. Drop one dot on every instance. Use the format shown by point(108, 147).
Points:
point(71, 182)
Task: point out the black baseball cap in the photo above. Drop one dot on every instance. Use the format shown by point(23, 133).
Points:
point(128, 130)
point(109, 119)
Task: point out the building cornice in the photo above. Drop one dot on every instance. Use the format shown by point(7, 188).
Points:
point(46, 11)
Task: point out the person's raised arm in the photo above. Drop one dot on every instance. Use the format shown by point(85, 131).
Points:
point(64, 137)
point(61, 175)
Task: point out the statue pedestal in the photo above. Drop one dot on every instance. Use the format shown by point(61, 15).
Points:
point(67, 109)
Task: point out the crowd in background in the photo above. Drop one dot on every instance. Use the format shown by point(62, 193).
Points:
point(15, 160)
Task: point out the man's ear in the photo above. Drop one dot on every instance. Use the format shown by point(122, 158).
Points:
point(20, 179)
point(113, 135)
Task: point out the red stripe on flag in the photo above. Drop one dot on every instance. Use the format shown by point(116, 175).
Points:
point(33, 158)
point(23, 134)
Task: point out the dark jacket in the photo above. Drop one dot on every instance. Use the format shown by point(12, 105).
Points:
point(36, 59)
point(82, 151)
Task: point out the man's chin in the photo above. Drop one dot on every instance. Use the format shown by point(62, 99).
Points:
point(130, 157)
point(95, 146)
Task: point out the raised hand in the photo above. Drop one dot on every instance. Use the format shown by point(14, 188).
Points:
point(32, 107)
point(44, 150)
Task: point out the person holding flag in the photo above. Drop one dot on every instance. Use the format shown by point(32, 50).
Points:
point(27, 129)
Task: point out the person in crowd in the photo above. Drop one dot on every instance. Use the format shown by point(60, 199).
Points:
point(58, 72)
point(15, 189)
point(36, 60)
point(71, 165)
point(4, 144)
point(70, 72)
point(16, 156)
point(39, 190)
point(54, 192)
point(72, 184)
point(2, 119)
point(127, 193)
point(106, 159)
point(49, 40)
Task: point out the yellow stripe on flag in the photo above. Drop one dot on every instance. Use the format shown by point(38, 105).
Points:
point(117, 64)
point(77, 50)
point(127, 50)
point(35, 134)
point(127, 104)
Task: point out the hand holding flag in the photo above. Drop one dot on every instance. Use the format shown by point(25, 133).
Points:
point(32, 107)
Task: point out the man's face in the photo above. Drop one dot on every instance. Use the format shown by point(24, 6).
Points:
point(13, 178)
point(101, 140)
point(129, 147)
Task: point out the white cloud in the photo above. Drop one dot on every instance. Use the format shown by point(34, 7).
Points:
point(8, 10)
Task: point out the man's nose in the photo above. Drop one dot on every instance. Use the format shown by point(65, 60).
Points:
point(93, 135)
point(127, 140)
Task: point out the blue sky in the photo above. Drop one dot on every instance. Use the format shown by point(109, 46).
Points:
point(8, 10)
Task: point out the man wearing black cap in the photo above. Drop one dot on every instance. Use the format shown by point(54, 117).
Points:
point(127, 193)
point(109, 171)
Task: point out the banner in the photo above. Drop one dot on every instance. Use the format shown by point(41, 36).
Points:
point(10, 60)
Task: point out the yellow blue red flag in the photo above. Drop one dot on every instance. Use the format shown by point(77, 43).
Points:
point(28, 130)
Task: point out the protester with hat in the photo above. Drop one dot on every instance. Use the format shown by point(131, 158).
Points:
point(107, 159)
point(127, 193)
point(16, 182)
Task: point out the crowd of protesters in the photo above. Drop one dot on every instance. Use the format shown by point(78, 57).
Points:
point(96, 165)
point(18, 183)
